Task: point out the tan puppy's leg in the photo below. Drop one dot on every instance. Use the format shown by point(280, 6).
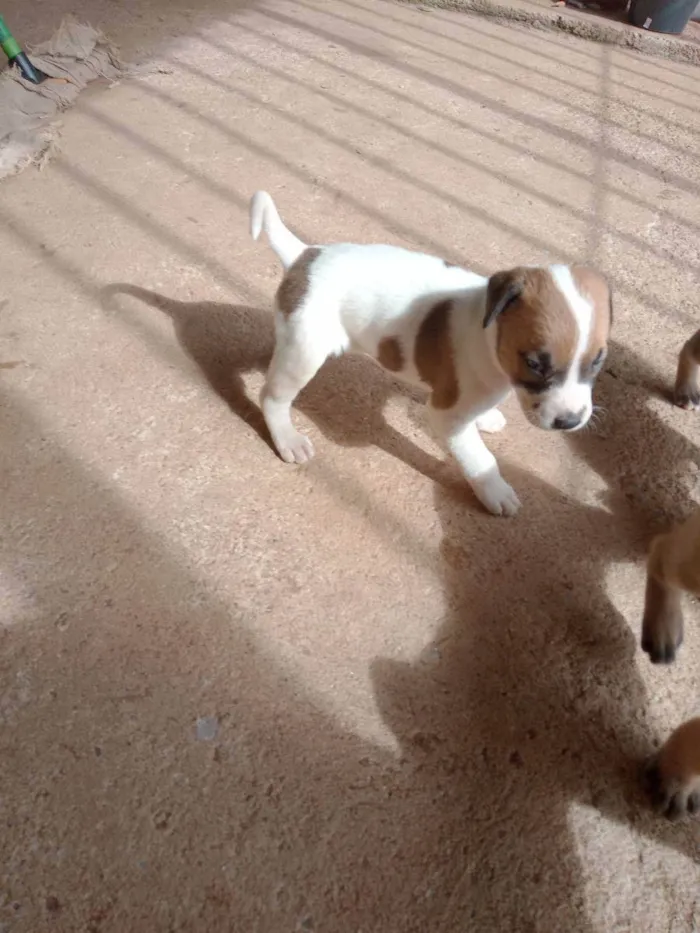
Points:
point(673, 568)
point(673, 775)
point(687, 391)
point(662, 625)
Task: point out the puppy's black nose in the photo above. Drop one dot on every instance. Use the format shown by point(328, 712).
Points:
point(567, 422)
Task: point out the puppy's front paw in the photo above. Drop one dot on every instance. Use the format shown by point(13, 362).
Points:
point(293, 447)
point(661, 646)
point(491, 421)
point(686, 395)
point(672, 777)
point(495, 494)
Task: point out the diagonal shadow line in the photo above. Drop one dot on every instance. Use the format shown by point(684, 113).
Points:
point(319, 91)
point(35, 242)
point(461, 21)
point(378, 162)
point(540, 37)
point(451, 17)
point(597, 178)
point(66, 269)
point(407, 232)
point(598, 225)
point(226, 193)
point(530, 68)
point(80, 278)
point(218, 271)
point(652, 66)
point(304, 175)
point(493, 72)
point(404, 231)
point(352, 494)
point(531, 120)
point(177, 244)
point(533, 36)
point(463, 124)
point(140, 141)
point(160, 152)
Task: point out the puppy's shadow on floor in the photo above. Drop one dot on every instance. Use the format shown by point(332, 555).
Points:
point(345, 400)
point(642, 459)
point(527, 700)
point(525, 720)
point(527, 709)
point(641, 449)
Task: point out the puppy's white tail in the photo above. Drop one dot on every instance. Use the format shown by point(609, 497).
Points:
point(264, 216)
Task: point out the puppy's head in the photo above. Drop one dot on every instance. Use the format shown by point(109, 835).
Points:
point(553, 325)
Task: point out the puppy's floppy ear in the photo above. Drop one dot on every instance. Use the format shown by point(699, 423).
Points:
point(502, 290)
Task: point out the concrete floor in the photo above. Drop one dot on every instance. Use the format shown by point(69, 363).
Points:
point(243, 696)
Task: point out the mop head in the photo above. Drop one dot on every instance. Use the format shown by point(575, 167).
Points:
point(74, 56)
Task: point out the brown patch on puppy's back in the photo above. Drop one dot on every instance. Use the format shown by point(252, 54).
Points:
point(538, 319)
point(434, 356)
point(390, 354)
point(295, 284)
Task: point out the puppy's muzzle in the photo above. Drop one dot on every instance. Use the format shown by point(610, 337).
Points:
point(569, 421)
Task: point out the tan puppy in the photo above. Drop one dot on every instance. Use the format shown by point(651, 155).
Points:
point(673, 569)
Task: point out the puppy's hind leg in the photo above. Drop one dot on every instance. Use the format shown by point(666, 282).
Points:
point(687, 390)
point(295, 362)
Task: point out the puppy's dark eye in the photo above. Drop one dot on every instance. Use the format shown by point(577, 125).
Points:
point(598, 359)
point(539, 363)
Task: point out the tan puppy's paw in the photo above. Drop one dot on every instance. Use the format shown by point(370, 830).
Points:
point(686, 393)
point(686, 396)
point(673, 775)
point(662, 625)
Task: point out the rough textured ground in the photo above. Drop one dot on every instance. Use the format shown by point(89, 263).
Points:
point(242, 696)
point(609, 27)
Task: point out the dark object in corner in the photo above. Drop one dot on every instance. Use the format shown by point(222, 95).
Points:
point(597, 6)
point(670, 16)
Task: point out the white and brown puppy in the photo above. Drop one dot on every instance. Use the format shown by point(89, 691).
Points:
point(467, 339)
